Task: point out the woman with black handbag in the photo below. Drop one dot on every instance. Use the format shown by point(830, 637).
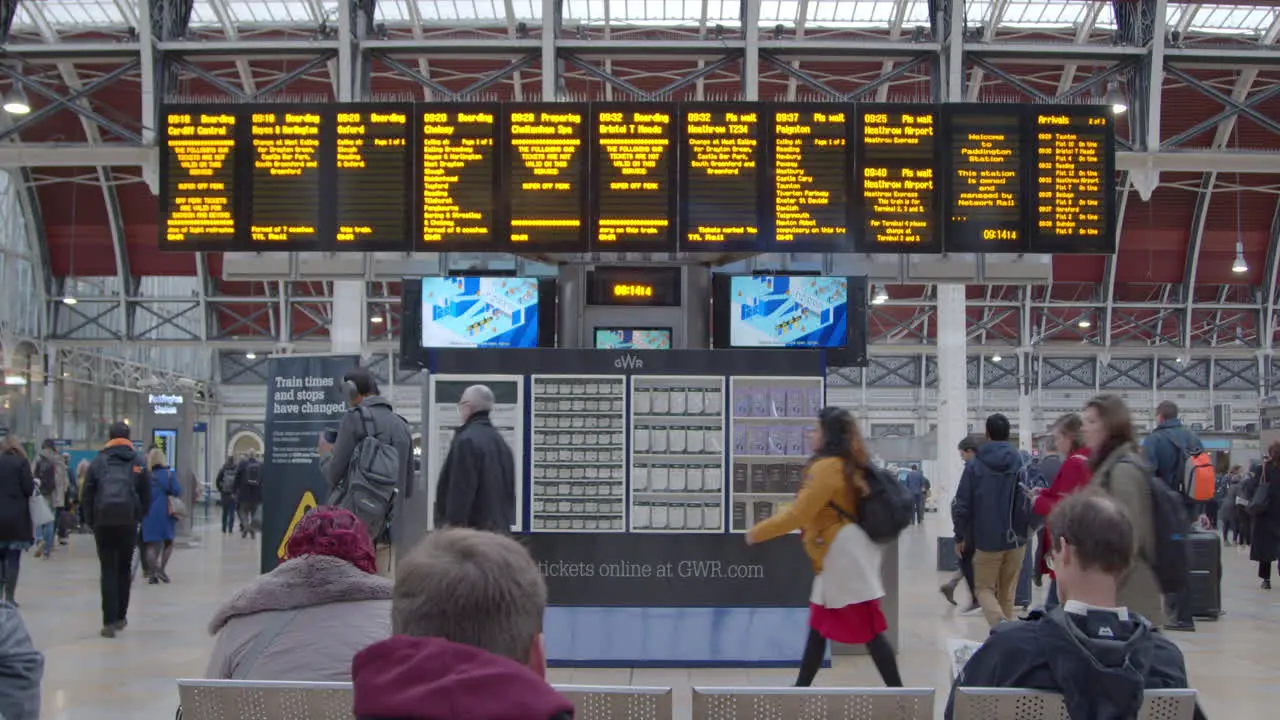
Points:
point(1263, 491)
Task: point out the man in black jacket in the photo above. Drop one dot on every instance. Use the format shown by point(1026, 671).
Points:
point(477, 483)
point(1099, 656)
point(117, 493)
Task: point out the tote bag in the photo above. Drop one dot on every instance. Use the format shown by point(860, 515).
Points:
point(40, 512)
point(850, 570)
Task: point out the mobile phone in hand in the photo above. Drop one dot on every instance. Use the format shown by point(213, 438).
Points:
point(331, 435)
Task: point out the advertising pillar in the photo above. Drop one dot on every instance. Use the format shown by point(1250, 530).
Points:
point(166, 425)
point(304, 398)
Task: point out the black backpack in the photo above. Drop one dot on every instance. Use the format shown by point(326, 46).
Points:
point(253, 474)
point(47, 475)
point(1171, 526)
point(117, 503)
point(886, 510)
point(227, 480)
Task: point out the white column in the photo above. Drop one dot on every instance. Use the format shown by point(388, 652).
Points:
point(1026, 429)
point(346, 333)
point(953, 391)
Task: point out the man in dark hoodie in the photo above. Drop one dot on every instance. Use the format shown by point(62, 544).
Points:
point(467, 616)
point(1100, 657)
point(990, 514)
point(117, 493)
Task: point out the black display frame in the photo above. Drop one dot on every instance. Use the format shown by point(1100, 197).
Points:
point(411, 350)
point(951, 240)
point(770, 242)
point(852, 354)
point(595, 338)
point(582, 159)
point(859, 216)
point(666, 242)
point(498, 224)
point(763, 194)
point(1106, 243)
point(666, 282)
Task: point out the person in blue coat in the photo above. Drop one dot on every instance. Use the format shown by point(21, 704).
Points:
point(158, 525)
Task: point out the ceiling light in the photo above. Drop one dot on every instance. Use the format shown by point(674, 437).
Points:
point(1115, 98)
point(376, 319)
point(881, 297)
point(996, 358)
point(68, 300)
point(251, 355)
point(1239, 265)
point(1084, 324)
point(16, 102)
point(12, 379)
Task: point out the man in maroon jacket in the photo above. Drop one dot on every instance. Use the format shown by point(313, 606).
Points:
point(467, 617)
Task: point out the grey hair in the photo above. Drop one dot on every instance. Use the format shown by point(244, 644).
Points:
point(473, 588)
point(480, 397)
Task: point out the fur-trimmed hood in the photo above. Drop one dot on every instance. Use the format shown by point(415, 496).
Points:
point(300, 583)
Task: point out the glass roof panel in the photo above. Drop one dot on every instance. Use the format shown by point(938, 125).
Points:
point(775, 12)
point(850, 13)
point(1063, 13)
point(71, 14)
point(1226, 18)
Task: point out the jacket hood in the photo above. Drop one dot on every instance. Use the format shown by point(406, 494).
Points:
point(51, 455)
point(1174, 423)
point(121, 448)
point(1100, 662)
point(374, 401)
point(1000, 456)
point(300, 583)
point(416, 678)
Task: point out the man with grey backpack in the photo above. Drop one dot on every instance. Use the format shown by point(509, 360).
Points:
point(370, 462)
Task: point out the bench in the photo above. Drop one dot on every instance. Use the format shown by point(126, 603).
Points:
point(784, 703)
point(1013, 704)
point(284, 700)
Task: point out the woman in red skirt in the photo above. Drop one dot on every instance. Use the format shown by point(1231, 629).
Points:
point(845, 603)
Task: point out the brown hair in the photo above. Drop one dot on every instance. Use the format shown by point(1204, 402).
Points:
point(1072, 426)
point(1115, 417)
point(841, 439)
point(473, 588)
point(1097, 527)
point(1273, 454)
point(10, 446)
point(156, 459)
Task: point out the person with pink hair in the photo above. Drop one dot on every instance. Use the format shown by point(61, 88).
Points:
point(306, 619)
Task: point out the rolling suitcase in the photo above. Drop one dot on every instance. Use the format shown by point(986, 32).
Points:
point(1205, 555)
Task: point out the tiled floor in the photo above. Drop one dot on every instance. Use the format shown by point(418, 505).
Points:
point(1232, 662)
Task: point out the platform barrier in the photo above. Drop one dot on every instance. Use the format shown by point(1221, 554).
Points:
point(752, 703)
point(1014, 704)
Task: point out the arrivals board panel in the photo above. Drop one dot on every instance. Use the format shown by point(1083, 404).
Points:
point(634, 191)
point(373, 169)
point(986, 196)
point(896, 195)
point(198, 176)
point(649, 177)
point(1074, 205)
point(810, 146)
point(546, 176)
point(722, 177)
point(459, 176)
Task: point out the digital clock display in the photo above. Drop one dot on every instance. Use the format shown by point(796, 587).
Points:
point(652, 287)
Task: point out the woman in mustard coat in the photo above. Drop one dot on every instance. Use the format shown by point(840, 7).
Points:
point(846, 608)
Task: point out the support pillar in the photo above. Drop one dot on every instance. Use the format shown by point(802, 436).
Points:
point(953, 390)
point(346, 333)
point(1026, 428)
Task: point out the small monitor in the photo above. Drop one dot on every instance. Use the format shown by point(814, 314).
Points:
point(633, 338)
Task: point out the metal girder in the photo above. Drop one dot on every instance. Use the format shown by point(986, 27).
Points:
point(1082, 36)
point(475, 87)
point(78, 93)
point(163, 319)
point(1239, 57)
point(248, 49)
point(1195, 161)
point(895, 33)
point(1054, 51)
point(223, 13)
point(75, 155)
point(991, 23)
point(1109, 286)
point(262, 92)
point(1198, 218)
point(1236, 106)
point(790, 69)
point(1266, 330)
point(76, 107)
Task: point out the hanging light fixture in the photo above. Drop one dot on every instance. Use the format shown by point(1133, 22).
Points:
point(16, 103)
point(996, 358)
point(1239, 266)
point(251, 355)
point(881, 296)
point(13, 378)
point(69, 300)
point(376, 320)
point(1084, 323)
point(1115, 98)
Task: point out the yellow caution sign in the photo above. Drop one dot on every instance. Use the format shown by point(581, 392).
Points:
point(305, 505)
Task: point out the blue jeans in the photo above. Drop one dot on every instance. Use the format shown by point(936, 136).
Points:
point(228, 514)
point(1051, 600)
point(45, 534)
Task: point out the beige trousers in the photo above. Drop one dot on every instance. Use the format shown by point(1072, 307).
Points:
point(995, 580)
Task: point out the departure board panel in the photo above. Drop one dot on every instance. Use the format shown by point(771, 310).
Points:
point(286, 185)
point(634, 197)
point(1073, 207)
point(896, 183)
point(721, 178)
point(459, 173)
point(372, 169)
point(198, 183)
point(986, 175)
point(810, 177)
point(546, 182)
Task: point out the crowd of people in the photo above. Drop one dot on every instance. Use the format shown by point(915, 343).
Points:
point(464, 609)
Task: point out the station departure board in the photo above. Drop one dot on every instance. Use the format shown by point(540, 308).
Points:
point(373, 168)
point(546, 179)
point(634, 194)
point(1073, 208)
point(987, 180)
point(896, 183)
point(810, 178)
point(648, 177)
point(198, 210)
point(722, 177)
point(459, 177)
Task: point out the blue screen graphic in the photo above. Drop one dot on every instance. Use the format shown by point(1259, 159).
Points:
point(476, 312)
point(632, 339)
point(788, 311)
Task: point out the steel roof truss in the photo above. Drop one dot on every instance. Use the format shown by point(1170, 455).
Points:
point(164, 319)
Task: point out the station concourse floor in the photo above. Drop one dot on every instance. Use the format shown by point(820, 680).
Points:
point(1232, 662)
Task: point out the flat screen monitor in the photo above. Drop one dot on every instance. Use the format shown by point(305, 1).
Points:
point(788, 311)
point(166, 441)
point(633, 338)
point(466, 311)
